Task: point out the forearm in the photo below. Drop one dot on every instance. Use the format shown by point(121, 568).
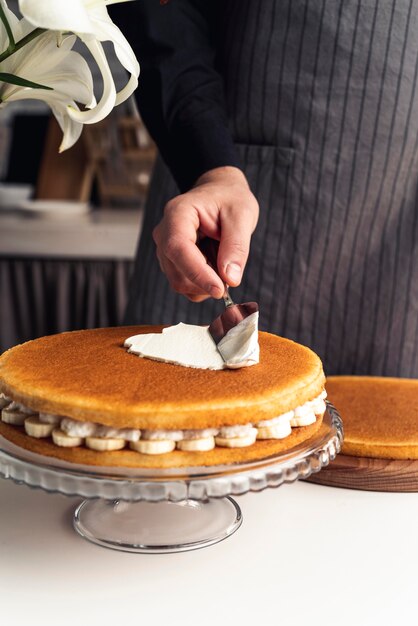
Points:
point(180, 95)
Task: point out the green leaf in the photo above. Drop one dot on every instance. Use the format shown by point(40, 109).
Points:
point(7, 27)
point(21, 82)
point(22, 42)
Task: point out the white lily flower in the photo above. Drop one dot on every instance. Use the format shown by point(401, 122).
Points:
point(41, 61)
point(90, 21)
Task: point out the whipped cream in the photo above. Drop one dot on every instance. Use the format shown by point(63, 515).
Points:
point(127, 434)
point(168, 435)
point(203, 433)
point(4, 400)
point(192, 346)
point(47, 418)
point(17, 406)
point(74, 428)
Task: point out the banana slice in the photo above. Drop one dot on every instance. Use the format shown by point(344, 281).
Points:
point(237, 442)
point(35, 428)
point(103, 444)
point(14, 417)
point(154, 446)
point(304, 420)
point(60, 438)
point(276, 431)
point(197, 445)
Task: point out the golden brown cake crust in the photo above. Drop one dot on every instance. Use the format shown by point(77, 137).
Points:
point(380, 415)
point(89, 375)
point(177, 458)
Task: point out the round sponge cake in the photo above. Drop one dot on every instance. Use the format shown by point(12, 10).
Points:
point(90, 376)
point(380, 415)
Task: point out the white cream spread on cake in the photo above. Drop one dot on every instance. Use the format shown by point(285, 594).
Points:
point(68, 432)
point(192, 346)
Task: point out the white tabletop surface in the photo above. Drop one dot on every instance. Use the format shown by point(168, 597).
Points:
point(305, 554)
point(103, 233)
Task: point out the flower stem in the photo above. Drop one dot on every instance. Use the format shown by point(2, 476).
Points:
point(22, 42)
point(6, 24)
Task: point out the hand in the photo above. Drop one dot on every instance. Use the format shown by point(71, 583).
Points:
point(220, 206)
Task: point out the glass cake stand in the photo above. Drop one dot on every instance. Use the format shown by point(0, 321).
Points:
point(171, 510)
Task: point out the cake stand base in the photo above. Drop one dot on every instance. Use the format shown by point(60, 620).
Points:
point(158, 527)
point(168, 511)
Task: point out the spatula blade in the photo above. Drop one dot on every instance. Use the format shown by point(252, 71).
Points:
point(230, 318)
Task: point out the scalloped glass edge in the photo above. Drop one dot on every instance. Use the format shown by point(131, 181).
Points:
point(198, 483)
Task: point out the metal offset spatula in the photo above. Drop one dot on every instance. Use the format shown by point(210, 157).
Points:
point(236, 342)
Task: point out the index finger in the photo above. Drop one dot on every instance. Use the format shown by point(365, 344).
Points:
point(181, 249)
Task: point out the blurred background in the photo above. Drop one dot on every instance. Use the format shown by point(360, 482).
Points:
point(69, 223)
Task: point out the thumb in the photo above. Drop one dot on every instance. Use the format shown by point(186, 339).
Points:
point(234, 246)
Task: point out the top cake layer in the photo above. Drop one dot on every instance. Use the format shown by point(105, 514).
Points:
point(380, 415)
point(89, 375)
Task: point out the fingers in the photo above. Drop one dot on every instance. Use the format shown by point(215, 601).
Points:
point(190, 262)
point(237, 226)
point(220, 207)
point(181, 284)
point(179, 257)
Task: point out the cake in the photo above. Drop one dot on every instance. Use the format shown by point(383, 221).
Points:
point(83, 398)
point(380, 415)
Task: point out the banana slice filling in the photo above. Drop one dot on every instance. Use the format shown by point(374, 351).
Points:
point(69, 433)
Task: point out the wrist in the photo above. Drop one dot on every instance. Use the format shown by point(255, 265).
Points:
point(228, 174)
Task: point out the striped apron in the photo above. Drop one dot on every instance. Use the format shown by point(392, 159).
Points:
point(322, 102)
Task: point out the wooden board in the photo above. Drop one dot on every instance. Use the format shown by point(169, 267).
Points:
point(369, 474)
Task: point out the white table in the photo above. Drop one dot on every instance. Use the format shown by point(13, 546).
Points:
point(104, 233)
point(59, 274)
point(305, 554)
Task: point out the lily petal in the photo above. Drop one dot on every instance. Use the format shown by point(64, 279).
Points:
point(61, 15)
point(127, 91)
point(59, 67)
point(71, 129)
point(109, 2)
point(108, 99)
point(49, 60)
point(43, 62)
point(106, 30)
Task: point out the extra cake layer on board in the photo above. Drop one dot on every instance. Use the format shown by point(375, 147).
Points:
point(129, 458)
point(380, 415)
point(89, 375)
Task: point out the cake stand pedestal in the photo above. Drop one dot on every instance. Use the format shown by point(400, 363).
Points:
point(157, 527)
point(172, 510)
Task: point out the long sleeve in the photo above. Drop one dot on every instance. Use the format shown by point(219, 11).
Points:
point(180, 94)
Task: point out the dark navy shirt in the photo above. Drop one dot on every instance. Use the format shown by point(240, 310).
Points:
point(181, 93)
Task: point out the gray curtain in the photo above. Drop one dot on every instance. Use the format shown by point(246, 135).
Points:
point(44, 296)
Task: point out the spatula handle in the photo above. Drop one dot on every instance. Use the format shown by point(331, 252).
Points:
point(210, 248)
point(228, 301)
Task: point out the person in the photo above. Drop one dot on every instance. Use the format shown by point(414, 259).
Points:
point(288, 131)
